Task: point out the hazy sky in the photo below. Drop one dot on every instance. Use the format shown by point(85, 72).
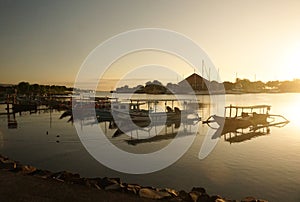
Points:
point(47, 41)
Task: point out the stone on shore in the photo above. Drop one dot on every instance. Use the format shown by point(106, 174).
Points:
point(132, 188)
point(24, 169)
point(173, 192)
point(199, 189)
point(153, 194)
point(114, 187)
point(105, 182)
point(198, 194)
point(7, 165)
point(65, 176)
point(252, 199)
point(90, 182)
point(184, 196)
point(41, 173)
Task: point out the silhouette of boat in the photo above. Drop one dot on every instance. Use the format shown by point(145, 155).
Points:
point(245, 122)
point(236, 117)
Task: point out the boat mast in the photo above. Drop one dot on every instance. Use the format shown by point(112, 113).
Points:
point(195, 82)
point(202, 84)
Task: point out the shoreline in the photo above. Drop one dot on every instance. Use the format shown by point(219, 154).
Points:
point(20, 182)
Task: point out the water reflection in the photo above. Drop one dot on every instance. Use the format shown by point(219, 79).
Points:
point(11, 121)
point(145, 126)
point(275, 180)
point(237, 134)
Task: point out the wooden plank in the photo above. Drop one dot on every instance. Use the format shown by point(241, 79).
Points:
point(249, 107)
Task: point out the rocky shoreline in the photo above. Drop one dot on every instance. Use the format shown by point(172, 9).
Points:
point(115, 185)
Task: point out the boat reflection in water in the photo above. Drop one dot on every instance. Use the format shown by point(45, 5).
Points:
point(237, 135)
point(140, 120)
point(146, 132)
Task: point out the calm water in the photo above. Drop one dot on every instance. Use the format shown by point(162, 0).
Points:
point(266, 167)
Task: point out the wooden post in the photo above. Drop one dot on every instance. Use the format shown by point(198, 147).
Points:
point(7, 103)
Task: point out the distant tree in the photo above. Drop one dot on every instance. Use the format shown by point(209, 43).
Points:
point(290, 86)
point(273, 84)
point(258, 85)
point(139, 89)
point(155, 87)
point(23, 87)
point(34, 89)
point(156, 82)
point(148, 83)
point(228, 85)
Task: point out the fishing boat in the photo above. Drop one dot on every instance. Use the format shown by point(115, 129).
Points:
point(132, 111)
point(236, 117)
point(152, 112)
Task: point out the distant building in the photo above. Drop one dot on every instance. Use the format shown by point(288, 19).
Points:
point(194, 81)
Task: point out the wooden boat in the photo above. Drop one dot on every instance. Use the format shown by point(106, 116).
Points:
point(132, 111)
point(137, 115)
point(115, 111)
point(236, 117)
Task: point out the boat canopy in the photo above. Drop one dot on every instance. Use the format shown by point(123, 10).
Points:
point(235, 110)
point(249, 107)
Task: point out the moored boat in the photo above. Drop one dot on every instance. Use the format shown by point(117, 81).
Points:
point(236, 117)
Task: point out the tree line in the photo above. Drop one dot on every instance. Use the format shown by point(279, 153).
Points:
point(279, 86)
point(27, 89)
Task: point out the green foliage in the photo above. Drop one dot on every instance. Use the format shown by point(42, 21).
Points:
point(155, 87)
point(25, 88)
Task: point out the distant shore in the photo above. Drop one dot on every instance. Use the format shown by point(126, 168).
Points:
point(26, 183)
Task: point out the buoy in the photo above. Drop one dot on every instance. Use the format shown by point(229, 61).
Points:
point(47, 132)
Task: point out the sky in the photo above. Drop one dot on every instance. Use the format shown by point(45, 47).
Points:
point(46, 42)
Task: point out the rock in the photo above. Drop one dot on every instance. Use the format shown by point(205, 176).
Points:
point(108, 181)
point(133, 188)
point(153, 194)
point(90, 182)
point(198, 194)
point(194, 196)
point(41, 173)
point(199, 189)
point(184, 196)
point(249, 199)
point(3, 158)
point(203, 198)
point(115, 180)
point(199, 197)
point(7, 164)
point(114, 187)
point(65, 176)
point(173, 192)
point(136, 186)
point(217, 198)
point(24, 169)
